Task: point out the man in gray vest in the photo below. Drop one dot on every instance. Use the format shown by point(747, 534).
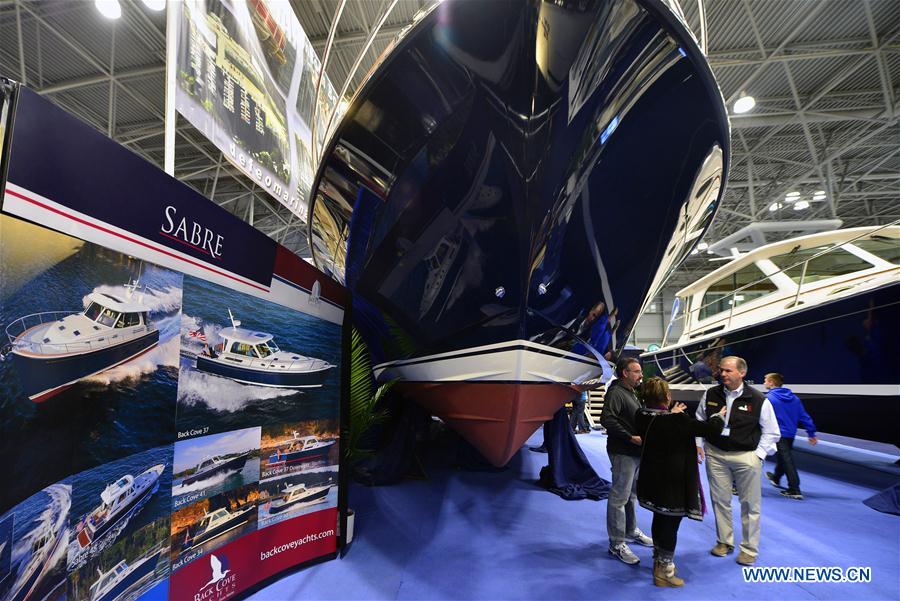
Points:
point(623, 446)
point(737, 455)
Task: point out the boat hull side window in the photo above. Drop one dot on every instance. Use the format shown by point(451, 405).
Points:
point(718, 297)
point(886, 249)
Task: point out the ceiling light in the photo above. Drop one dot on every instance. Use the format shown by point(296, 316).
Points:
point(695, 251)
point(818, 196)
point(155, 4)
point(800, 205)
point(703, 246)
point(791, 196)
point(111, 9)
point(774, 206)
point(744, 104)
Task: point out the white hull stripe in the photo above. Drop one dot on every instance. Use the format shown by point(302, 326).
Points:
point(509, 363)
point(514, 345)
point(823, 389)
point(287, 282)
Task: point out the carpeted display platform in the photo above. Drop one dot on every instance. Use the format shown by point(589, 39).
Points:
point(471, 535)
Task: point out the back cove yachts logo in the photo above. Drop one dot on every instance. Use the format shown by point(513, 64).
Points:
point(191, 233)
point(221, 585)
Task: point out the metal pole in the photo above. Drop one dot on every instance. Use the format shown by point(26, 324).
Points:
point(22, 75)
point(172, 14)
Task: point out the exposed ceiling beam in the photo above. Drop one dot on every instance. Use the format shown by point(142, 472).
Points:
point(81, 82)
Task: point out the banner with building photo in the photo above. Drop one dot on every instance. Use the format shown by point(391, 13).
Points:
point(246, 77)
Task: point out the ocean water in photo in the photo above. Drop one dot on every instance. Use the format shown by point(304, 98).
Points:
point(311, 477)
point(182, 494)
point(40, 535)
point(86, 489)
point(220, 404)
point(101, 418)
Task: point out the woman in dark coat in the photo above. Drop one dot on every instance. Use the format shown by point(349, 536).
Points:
point(669, 481)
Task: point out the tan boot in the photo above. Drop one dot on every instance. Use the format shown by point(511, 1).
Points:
point(664, 574)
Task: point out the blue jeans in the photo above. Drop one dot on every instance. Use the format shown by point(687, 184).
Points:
point(785, 464)
point(620, 504)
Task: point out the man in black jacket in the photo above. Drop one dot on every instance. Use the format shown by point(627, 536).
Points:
point(624, 448)
point(737, 455)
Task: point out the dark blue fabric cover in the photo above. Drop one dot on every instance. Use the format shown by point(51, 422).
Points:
point(887, 501)
point(569, 474)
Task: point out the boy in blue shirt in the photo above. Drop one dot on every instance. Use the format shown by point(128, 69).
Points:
point(790, 412)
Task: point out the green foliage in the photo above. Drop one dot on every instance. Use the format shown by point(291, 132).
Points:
point(364, 398)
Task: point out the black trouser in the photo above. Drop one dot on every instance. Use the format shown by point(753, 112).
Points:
point(578, 420)
point(785, 464)
point(665, 531)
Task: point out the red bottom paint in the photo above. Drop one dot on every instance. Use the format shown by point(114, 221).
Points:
point(496, 418)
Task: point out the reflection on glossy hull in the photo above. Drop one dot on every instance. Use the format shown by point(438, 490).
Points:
point(518, 174)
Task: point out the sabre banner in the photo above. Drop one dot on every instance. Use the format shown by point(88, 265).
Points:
point(170, 382)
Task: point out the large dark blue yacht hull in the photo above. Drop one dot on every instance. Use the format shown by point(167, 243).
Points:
point(517, 171)
point(263, 378)
point(841, 358)
point(42, 377)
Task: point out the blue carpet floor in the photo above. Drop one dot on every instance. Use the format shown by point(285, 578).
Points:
point(472, 535)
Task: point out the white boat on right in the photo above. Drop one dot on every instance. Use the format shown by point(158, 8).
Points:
point(822, 309)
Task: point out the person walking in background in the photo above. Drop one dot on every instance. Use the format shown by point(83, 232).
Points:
point(736, 456)
point(669, 483)
point(623, 446)
point(790, 412)
point(578, 420)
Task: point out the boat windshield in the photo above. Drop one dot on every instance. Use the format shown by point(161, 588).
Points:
point(93, 311)
point(107, 317)
point(833, 263)
point(263, 350)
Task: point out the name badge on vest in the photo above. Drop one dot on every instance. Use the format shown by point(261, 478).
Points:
point(726, 431)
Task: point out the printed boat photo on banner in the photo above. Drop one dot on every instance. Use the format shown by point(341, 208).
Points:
point(291, 448)
point(210, 465)
point(89, 355)
point(210, 523)
point(115, 499)
point(245, 360)
point(252, 357)
point(285, 497)
point(36, 532)
point(126, 570)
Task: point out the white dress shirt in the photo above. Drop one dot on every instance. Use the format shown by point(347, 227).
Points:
point(768, 423)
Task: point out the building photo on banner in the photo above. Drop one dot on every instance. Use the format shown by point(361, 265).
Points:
point(171, 405)
point(247, 77)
